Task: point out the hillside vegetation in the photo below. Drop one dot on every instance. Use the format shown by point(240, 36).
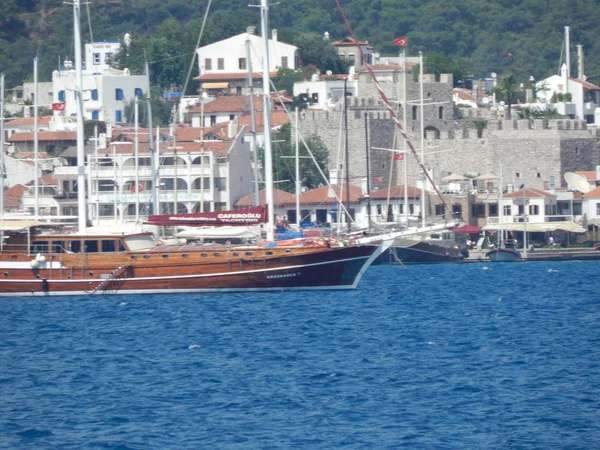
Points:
point(523, 37)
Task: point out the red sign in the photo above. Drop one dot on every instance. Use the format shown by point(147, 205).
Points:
point(401, 41)
point(378, 180)
point(60, 106)
point(241, 217)
point(398, 156)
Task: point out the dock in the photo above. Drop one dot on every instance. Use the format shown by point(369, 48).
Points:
point(543, 254)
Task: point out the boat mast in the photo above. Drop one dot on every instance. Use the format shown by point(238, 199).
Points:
point(253, 146)
point(368, 172)
point(347, 159)
point(36, 144)
point(422, 127)
point(264, 11)
point(1, 148)
point(82, 222)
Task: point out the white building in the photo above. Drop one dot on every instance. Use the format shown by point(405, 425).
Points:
point(106, 91)
point(326, 92)
point(585, 97)
point(223, 65)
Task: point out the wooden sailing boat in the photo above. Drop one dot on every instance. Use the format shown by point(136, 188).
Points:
point(34, 262)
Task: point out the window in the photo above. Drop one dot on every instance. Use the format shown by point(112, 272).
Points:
point(598, 209)
point(231, 116)
point(91, 246)
point(118, 94)
point(315, 98)
point(106, 210)
point(221, 64)
point(238, 90)
point(539, 175)
point(351, 59)
point(517, 175)
point(441, 112)
point(478, 210)
point(284, 62)
point(97, 58)
point(95, 115)
point(95, 94)
point(138, 92)
point(118, 115)
point(61, 96)
point(242, 63)
point(213, 120)
point(207, 64)
point(221, 184)
point(507, 210)
point(534, 210)
point(414, 113)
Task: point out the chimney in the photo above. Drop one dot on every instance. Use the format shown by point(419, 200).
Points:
point(274, 35)
point(231, 129)
point(580, 74)
point(251, 30)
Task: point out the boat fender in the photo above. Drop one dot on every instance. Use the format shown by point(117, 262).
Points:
point(34, 263)
point(40, 258)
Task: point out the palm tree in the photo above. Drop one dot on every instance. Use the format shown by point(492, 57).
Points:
point(507, 89)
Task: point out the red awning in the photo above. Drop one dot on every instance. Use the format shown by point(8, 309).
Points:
point(467, 229)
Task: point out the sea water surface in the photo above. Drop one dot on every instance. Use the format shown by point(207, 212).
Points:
point(471, 356)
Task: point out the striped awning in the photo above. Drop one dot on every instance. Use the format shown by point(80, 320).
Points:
point(215, 85)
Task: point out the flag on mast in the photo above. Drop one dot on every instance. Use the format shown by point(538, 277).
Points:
point(401, 41)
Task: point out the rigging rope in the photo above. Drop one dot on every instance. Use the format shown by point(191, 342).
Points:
point(390, 109)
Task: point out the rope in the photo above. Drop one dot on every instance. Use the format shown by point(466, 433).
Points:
point(390, 109)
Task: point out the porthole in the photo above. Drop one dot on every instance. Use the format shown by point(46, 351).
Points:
point(91, 274)
point(165, 256)
point(146, 256)
point(68, 277)
point(185, 255)
point(248, 253)
point(269, 253)
point(204, 255)
point(216, 255)
point(5, 274)
point(133, 257)
point(287, 250)
point(37, 275)
point(235, 254)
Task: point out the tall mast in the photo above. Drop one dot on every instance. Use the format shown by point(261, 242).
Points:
point(36, 162)
point(82, 222)
point(253, 146)
point(2, 174)
point(347, 158)
point(422, 126)
point(264, 10)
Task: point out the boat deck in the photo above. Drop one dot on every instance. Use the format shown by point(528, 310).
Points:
point(544, 254)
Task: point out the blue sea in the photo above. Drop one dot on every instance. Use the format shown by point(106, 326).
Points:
point(471, 356)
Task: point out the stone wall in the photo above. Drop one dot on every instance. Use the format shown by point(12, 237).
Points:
point(536, 153)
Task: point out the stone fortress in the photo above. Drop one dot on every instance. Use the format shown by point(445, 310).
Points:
point(460, 141)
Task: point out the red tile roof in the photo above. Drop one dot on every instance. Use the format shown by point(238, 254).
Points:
point(589, 174)
point(349, 41)
point(12, 196)
point(28, 121)
point(47, 136)
point(279, 198)
point(396, 192)
point(594, 193)
point(586, 85)
point(323, 195)
point(530, 193)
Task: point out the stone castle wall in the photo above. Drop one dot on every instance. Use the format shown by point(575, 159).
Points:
point(533, 152)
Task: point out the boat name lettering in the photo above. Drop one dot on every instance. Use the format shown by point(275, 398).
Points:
point(284, 275)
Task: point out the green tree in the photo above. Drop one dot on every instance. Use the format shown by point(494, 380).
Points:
point(314, 50)
point(284, 169)
point(507, 90)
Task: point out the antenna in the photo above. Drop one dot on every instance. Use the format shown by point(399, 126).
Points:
point(577, 182)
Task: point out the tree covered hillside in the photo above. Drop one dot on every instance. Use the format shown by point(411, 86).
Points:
point(524, 37)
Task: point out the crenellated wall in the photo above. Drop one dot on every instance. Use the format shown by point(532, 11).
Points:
point(536, 153)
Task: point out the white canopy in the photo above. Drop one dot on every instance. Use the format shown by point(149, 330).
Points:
point(454, 177)
point(537, 227)
point(219, 232)
point(487, 177)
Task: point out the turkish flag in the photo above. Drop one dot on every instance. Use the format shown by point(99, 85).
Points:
point(401, 41)
point(60, 106)
point(378, 180)
point(398, 156)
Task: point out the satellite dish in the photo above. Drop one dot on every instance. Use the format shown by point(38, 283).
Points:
point(577, 182)
point(329, 73)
